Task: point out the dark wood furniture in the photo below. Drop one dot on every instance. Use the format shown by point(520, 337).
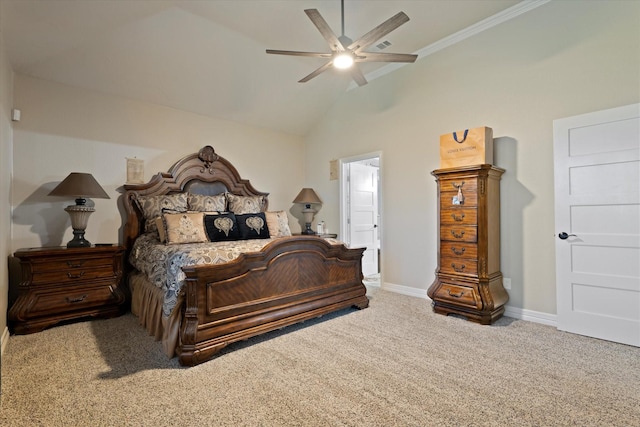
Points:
point(468, 278)
point(60, 284)
point(292, 279)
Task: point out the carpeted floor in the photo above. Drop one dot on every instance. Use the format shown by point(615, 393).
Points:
point(393, 364)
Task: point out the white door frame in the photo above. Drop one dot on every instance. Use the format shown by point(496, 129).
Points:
point(344, 192)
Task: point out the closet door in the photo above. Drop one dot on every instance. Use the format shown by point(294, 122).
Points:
point(597, 211)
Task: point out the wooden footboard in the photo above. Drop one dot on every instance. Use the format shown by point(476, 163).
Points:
point(291, 280)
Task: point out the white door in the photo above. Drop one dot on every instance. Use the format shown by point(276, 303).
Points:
point(363, 213)
point(597, 213)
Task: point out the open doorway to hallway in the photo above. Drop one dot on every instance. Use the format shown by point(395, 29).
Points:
point(360, 217)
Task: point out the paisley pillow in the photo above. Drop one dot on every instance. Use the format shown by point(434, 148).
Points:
point(153, 206)
point(203, 203)
point(184, 228)
point(221, 227)
point(253, 226)
point(241, 205)
point(278, 223)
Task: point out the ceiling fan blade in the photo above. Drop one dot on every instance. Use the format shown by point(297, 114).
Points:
point(324, 29)
point(385, 57)
point(319, 70)
point(296, 53)
point(357, 75)
point(378, 32)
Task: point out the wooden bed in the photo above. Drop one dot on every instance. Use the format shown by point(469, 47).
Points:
point(289, 280)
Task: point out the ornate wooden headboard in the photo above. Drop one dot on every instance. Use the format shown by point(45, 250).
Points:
point(203, 172)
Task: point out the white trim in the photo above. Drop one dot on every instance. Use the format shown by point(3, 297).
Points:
point(490, 22)
point(4, 340)
point(405, 290)
point(509, 311)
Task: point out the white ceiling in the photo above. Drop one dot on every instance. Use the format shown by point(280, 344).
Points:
point(208, 56)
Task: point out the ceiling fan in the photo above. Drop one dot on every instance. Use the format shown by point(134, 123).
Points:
point(345, 52)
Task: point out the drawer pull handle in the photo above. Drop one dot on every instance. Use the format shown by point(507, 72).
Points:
point(77, 299)
point(457, 251)
point(459, 269)
point(75, 264)
point(75, 276)
point(457, 218)
point(455, 295)
point(457, 235)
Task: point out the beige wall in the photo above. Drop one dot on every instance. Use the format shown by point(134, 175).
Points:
point(6, 144)
point(562, 59)
point(65, 129)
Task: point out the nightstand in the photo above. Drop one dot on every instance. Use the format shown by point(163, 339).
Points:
point(325, 235)
point(60, 284)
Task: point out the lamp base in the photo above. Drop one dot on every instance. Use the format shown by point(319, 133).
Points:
point(308, 229)
point(78, 240)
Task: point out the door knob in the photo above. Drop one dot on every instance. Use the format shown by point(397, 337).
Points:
point(565, 236)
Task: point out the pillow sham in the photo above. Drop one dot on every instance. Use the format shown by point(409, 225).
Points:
point(241, 205)
point(253, 226)
point(203, 203)
point(278, 223)
point(184, 228)
point(221, 227)
point(153, 207)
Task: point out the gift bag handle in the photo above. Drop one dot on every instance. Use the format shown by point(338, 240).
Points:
point(455, 137)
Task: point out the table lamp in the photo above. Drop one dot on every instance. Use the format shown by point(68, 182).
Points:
point(80, 186)
point(308, 197)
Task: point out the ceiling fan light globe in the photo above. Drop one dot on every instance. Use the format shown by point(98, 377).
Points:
point(343, 61)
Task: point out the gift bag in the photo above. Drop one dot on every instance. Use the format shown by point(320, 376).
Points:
point(466, 147)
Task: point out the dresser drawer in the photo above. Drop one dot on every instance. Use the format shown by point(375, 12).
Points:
point(449, 190)
point(459, 250)
point(459, 266)
point(459, 233)
point(459, 295)
point(461, 216)
point(67, 300)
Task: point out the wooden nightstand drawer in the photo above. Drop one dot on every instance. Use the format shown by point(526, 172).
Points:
point(67, 283)
point(459, 216)
point(68, 300)
point(66, 264)
point(459, 250)
point(72, 275)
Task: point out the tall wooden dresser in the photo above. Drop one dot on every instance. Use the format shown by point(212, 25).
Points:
point(468, 279)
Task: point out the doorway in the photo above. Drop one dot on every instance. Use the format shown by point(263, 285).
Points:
point(360, 207)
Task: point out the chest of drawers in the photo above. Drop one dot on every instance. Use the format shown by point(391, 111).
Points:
point(59, 284)
point(468, 279)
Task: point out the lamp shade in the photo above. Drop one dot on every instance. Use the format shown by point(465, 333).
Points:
point(79, 185)
point(307, 196)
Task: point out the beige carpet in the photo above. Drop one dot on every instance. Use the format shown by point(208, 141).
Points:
point(392, 364)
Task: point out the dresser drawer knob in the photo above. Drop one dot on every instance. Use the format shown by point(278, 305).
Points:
point(458, 269)
point(77, 299)
point(457, 235)
point(455, 295)
point(75, 276)
point(457, 218)
point(457, 251)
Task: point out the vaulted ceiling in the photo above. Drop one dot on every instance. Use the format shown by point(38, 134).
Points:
point(208, 56)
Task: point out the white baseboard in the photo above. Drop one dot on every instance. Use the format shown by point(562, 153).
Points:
point(509, 311)
point(4, 340)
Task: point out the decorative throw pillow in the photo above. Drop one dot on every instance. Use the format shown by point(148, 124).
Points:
point(153, 207)
point(221, 227)
point(278, 223)
point(162, 229)
point(241, 205)
point(253, 226)
point(203, 203)
point(184, 228)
